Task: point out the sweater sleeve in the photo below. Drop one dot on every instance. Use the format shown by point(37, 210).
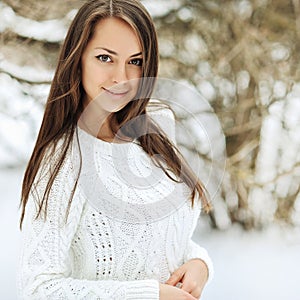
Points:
point(45, 269)
point(164, 117)
point(195, 251)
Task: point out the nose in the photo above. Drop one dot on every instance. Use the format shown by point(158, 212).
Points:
point(120, 74)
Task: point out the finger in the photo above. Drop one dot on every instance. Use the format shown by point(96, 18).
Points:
point(196, 292)
point(192, 288)
point(190, 297)
point(176, 277)
point(187, 296)
point(173, 280)
point(189, 285)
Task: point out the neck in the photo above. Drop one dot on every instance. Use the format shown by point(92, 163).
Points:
point(105, 133)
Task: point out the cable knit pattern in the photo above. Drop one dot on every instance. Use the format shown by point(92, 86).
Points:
point(104, 251)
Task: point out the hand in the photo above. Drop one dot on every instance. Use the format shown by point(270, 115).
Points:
point(192, 275)
point(168, 292)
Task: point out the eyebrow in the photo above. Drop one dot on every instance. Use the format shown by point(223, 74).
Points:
point(115, 53)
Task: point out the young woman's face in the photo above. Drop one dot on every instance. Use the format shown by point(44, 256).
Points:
point(111, 65)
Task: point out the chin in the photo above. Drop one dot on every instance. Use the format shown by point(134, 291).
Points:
point(114, 109)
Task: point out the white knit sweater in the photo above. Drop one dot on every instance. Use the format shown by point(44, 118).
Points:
point(121, 243)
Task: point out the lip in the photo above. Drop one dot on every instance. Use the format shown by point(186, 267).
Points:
point(116, 93)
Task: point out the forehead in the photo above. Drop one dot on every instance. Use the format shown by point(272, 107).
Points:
point(117, 35)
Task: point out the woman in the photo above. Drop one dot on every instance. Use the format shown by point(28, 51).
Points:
point(93, 228)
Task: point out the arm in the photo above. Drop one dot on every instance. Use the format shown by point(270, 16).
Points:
point(196, 271)
point(194, 274)
point(195, 251)
point(45, 269)
point(166, 120)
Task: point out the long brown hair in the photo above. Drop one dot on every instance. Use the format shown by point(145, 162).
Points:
point(64, 105)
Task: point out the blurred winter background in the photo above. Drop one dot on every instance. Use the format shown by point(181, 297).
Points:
point(243, 58)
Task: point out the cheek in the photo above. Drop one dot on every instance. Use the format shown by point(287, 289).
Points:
point(93, 78)
point(134, 77)
point(135, 73)
point(91, 74)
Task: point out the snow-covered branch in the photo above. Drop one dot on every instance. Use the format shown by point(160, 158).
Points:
point(52, 31)
point(25, 73)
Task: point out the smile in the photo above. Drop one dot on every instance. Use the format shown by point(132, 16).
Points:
point(116, 93)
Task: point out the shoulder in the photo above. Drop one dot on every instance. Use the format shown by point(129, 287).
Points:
point(163, 116)
point(56, 164)
point(56, 153)
point(157, 108)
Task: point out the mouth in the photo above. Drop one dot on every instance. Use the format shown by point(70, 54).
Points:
point(116, 93)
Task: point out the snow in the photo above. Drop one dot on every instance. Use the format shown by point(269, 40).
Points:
point(279, 89)
point(185, 14)
point(48, 30)
point(227, 88)
point(10, 185)
point(260, 195)
point(255, 265)
point(166, 47)
point(204, 69)
point(279, 52)
point(25, 73)
point(20, 117)
point(268, 157)
point(296, 212)
point(207, 90)
point(243, 80)
point(265, 92)
point(244, 9)
point(161, 8)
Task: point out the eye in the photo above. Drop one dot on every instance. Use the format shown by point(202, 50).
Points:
point(104, 58)
point(137, 62)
